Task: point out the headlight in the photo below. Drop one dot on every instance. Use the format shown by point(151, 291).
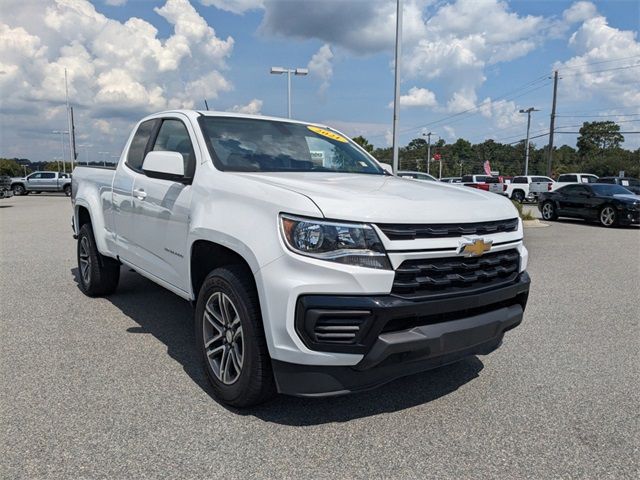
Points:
point(348, 243)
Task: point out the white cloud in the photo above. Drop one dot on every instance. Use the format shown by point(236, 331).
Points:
point(115, 69)
point(417, 97)
point(359, 26)
point(600, 67)
point(253, 107)
point(579, 12)
point(234, 6)
point(504, 113)
point(320, 66)
point(453, 41)
point(115, 3)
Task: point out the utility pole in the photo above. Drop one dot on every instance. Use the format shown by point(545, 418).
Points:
point(526, 148)
point(396, 96)
point(428, 135)
point(552, 123)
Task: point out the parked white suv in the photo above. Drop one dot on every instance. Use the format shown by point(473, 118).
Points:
point(313, 271)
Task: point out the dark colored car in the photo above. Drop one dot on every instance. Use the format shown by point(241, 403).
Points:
point(608, 204)
point(629, 183)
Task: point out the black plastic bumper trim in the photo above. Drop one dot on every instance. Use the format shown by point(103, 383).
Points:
point(380, 311)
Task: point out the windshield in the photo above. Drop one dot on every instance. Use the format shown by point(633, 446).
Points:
point(255, 145)
point(606, 189)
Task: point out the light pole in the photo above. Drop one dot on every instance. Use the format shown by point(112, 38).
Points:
point(104, 162)
point(62, 134)
point(396, 88)
point(526, 152)
point(289, 71)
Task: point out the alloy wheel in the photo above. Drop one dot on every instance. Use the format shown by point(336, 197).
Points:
point(85, 260)
point(607, 216)
point(547, 211)
point(223, 338)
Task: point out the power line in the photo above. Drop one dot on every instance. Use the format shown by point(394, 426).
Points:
point(604, 115)
point(604, 70)
point(599, 62)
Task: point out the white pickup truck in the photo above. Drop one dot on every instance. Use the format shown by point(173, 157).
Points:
point(313, 271)
point(518, 189)
point(538, 187)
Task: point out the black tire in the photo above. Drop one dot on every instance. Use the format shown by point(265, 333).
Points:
point(37, 193)
point(19, 190)
point(607, 216)
point(518, 196)
point(101, 274)
point(254, 382)
point(549, 211)
point(67, 190)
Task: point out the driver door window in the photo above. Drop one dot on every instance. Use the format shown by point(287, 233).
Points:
point(174, 137)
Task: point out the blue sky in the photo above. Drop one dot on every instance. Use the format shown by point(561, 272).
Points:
point(487, 56)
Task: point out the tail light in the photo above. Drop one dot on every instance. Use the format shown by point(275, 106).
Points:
point(483, 186)
point(549, 187)
point(504, 187)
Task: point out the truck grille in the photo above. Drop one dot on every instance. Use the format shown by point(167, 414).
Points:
point(455, 275)
point(402, 231)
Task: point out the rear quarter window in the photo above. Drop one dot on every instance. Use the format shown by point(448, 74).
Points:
point(568, 178)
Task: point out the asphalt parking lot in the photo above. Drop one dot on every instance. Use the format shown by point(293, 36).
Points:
point(111, 388)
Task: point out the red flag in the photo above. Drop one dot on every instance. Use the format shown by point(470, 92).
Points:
point(487, 168)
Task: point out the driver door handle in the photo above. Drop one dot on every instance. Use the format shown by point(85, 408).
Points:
point(140, 194)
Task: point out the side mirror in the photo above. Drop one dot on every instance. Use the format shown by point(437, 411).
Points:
point(164, 165)
point(387, 168)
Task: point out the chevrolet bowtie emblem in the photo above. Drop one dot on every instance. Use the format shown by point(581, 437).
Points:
point(474, 247)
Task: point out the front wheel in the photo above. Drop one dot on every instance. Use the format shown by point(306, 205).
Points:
point(19, 190)
point(230, 338)
point(549, 211)
point(98, 275)
point(608, 216)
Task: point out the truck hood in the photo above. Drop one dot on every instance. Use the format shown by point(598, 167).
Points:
point(387, 199)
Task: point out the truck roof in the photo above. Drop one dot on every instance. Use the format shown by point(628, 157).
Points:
point(215, 113)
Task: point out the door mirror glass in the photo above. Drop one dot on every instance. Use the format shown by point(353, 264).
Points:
point(164, 165)
point(387, 168)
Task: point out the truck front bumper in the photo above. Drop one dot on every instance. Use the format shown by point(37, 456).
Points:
point(398, 337)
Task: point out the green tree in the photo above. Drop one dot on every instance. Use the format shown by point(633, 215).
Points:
point(10, 167)
point(364, 143)
point(56, 166)
point(597, 137)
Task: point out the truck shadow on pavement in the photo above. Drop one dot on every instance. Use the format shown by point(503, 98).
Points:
point(170, 319)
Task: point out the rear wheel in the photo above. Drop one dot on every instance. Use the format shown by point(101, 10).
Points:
point(19, 190)
point(518, 196)
point(230, 338)
point(608, 216)
point(549, 211)
point(98, 275)
point(67, 190)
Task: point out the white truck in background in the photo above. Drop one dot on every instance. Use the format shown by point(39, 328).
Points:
point(518, 188)
point(536, 188)
point(311, 274)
